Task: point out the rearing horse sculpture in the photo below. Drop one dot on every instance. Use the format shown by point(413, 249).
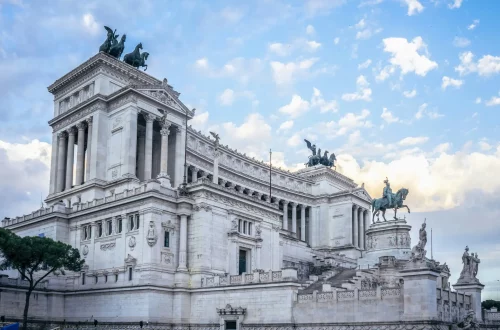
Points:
point(381, 204)
point(136, 59)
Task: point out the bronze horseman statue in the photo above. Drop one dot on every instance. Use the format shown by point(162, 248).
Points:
point(115, 48)
point(316, 158)
point(389, 201)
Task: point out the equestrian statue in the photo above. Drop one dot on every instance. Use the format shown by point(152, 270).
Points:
point(113, 47)
point(389, 201)
point(316, 158)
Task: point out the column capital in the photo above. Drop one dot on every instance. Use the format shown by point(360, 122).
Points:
point(285, 202)
point(178, 130)
point(81, 125)
point(355, 207)
point(148, 117)
point(165, 131)
point(293, 204)
point(193, 168)
point(71, 130)
point(62, 134)
point(89, 121)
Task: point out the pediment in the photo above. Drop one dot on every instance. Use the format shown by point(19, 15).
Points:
point(161, 95)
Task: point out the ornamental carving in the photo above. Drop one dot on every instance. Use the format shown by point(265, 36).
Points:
point(108, 246)
point(131, 243)
point(202, 206)
point(85, 250)
point(77, 116)
point(151, 237)
point(129, 98)
point(163, 97)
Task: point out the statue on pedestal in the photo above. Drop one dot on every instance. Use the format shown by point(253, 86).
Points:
point(418, 252)
point(389, 201)
point(470, 267)
point(316, 158)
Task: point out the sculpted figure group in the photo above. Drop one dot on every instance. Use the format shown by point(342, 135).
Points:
point(115, 48)
point(470, 267)
point(316, 158)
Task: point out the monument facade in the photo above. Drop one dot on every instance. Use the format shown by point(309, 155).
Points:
point(180, 230)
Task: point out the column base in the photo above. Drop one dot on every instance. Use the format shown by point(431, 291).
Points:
point(181, 278)
point(164, 179)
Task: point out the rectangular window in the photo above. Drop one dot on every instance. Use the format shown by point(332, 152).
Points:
point(239, 226)
point(105, 278)
point(84, 233)
point(249, 228)
point(116, 277)
point(96, 279)
point(137, 221)
point(99, 229)
point(242, 262)
point(110, 227)
point(83, 278)
point(119, 225)
point(166, 242)
point(130, 274)
point(245, 224)
point(89, 230)
point(230, 325)
point(130, 222)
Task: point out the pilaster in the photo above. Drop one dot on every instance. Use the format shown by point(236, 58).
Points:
point(420, 297)
point(474, 289)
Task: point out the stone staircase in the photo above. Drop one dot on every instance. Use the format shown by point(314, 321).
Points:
point(335, 278)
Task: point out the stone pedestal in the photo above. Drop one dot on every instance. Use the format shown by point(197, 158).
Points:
point(474, 289)
point(388, 238)
point(420, 297)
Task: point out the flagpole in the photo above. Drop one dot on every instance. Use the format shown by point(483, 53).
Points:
point(270, 169)
point(432, 257)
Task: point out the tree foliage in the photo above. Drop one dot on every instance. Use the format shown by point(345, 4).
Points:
point(36, 258)
point(487, 304)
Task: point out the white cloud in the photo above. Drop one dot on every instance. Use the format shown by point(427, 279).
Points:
point(474, 24)
point(90, 24)
point(294, 140)
point(461, 42)
point(286, 125)
point(351, 121)
point(411, 141)
point(336, 40)
point(455, 4)
point(363, 92)
point(232, 15)
point(478, 100)
point(484, 146)
point(388, 116)
point(423, 111)
point(405, 56)
point(365, 32)
point(315, 7)
point(447, 81)
point(201, 63)
point(486, 66)
point(252, 136)
point(296, 107)
point(24, 176)
point(414, 7)
point(227, 97)
point(361, 24)
point(302, 45)
point(436, 183)
point(370, 3)
point(199, 120)
point(443, 147)
point(365, 64)
point(286, 73)
point(410, 94)
point(310, 29)
point(324, 106)
point(495, 100)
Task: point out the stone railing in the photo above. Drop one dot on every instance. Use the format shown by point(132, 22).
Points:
point(451, 305)
point(349, 295)
point(256, 277)
point(90, 204)
point(491, 316)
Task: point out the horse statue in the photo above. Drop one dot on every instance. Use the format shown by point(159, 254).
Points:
point(316, 157)
point(136, 59)
point(382, 204)
point(116, 49)
point(110, 40)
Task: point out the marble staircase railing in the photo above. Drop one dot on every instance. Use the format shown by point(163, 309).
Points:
point(348, 295)
point(245, 278)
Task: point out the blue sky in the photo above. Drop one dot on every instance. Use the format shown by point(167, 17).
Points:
point(407, 89)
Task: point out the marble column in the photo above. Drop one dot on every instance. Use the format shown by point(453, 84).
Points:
point(302, 222)
point(179, 157)
point(70, 158)
point(80, 154)
point(163, 176)
point(355, 225)
point(294, 219)
point(183, 243)
point(285, 215)
point(148, 157)
point(217, 155)
point(362, 228)
point(61, 161)
point(367, 223)
point(194, 173)
point(89, 148)
point(53, 164)
point(141, 140)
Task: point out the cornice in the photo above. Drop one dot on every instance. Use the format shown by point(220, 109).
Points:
point(103, 59)
point(320, 172)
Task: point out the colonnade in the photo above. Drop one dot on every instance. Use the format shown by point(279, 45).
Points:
point(81, 133)
point(297, 211)
point(360, 222)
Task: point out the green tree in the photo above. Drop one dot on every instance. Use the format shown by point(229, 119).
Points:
point(487, 304)
point(36, 258)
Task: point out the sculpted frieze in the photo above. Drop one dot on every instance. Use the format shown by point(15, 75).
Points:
point(163, 97)
point(129, 98)
point(236, 204)
point(95, 106)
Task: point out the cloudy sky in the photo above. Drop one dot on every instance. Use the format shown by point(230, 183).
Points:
point(407, 89)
